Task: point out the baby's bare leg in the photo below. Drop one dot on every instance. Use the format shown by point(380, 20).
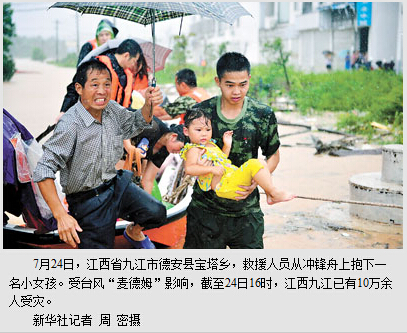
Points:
point(263, 178)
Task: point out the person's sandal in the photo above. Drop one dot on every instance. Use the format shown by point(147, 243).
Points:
point(144, 244)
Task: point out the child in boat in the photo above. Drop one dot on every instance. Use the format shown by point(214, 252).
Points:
point(222, 176)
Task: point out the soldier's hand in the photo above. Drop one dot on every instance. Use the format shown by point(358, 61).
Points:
point(246, 191)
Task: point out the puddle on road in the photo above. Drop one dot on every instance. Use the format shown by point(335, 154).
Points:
point(330, 226)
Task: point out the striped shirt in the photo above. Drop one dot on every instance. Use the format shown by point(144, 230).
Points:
point(85, 150)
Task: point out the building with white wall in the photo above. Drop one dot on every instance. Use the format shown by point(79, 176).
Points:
point(307, 29)
point(310, 28)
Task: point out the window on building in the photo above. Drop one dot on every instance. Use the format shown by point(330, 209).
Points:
point(283, 12)
point(270, 9)
point(306, 7)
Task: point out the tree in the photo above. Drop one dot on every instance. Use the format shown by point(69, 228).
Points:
point(222, 48)
point(209, 53)
point(180, 50)
point(9, 67)
point(38, 54)
point(275, 50)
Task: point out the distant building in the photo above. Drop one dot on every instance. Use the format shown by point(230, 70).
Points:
point(309, 30)
point(209, 34)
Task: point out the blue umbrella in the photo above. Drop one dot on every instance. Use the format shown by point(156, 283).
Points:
point(342, 54)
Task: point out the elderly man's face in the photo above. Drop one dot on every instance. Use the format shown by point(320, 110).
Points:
point(96, 93)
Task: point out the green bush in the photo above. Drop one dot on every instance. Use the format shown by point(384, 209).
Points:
point(37, 54)
point(70, 61)
point(268, 81)
point(365, 96)
point(374, 91)
point(9, 67)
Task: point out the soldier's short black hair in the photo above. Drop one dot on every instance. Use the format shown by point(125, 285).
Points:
point(188, 76)
point(196, 113)
point(232, 62)
point(81, 75)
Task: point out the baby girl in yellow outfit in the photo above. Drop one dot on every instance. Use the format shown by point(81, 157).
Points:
point(221, 175)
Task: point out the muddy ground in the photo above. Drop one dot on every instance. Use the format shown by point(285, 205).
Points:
point(35, 94)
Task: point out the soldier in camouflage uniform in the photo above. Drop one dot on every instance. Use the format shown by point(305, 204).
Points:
point(178, 107)
point(214, 222)
point(189, 95)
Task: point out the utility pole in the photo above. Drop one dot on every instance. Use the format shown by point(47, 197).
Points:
point(57, 41)
point(77, 32)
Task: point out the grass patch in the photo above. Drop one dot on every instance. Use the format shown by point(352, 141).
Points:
point(364, 96)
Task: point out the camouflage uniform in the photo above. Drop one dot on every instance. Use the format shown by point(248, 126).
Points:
point(179, 106)
point(214, 222)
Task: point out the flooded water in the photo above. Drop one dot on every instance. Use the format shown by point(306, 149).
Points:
point(309, 224)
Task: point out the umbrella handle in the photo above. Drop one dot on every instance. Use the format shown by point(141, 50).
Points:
point(153, 84)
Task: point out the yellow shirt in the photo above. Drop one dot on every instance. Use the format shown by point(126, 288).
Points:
point(217, 156)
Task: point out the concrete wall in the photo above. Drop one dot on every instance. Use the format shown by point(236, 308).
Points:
point(384, 30)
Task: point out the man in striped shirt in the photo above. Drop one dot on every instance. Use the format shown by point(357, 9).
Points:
point(85, 146)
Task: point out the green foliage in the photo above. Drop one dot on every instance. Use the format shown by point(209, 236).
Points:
point(69, 61)
point(210, 55)
point(275, 52)
point(222, 48)
point(9, 67)
point(37, 54)
point(363, 96)
point(269, 81)
point(180, 53)
point(8, 32)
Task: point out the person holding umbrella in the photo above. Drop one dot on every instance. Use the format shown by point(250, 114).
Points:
point(85, 146)
point(122, 64)
point(127, 60)
point(104, 32)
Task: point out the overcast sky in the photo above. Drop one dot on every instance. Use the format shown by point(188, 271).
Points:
point(34, 19)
